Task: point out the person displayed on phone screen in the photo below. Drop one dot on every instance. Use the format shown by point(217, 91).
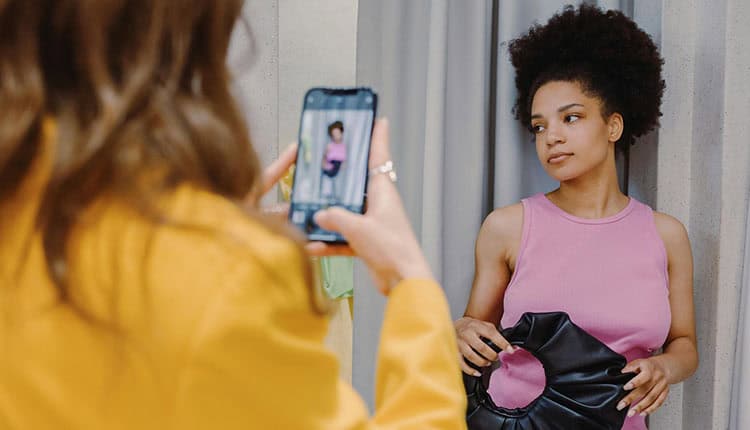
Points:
point(333, 158)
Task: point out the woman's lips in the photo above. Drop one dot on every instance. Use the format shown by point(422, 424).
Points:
point(559, 158)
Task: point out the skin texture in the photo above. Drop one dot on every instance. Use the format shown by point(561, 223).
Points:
point(566, 120)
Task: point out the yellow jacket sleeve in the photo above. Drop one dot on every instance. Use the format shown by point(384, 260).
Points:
point(258, 359)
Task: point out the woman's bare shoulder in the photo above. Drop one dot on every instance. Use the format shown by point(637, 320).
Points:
point(500, 234)
point(670, 228)
point(673, 233)
point(504, 222)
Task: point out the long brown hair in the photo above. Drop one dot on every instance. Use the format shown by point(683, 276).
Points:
point(134, 86)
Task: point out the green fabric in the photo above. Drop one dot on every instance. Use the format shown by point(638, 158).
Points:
point(306, 143)
point(337, 275)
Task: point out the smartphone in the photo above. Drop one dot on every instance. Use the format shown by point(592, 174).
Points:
point(332, 158)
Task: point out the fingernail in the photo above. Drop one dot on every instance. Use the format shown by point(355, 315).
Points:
point(477, 374)
point(643, 414)
point(621, 406)
point(509, 350)
point(631, 413)
point(628, 387)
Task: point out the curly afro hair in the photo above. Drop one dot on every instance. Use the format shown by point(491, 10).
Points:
point(335, 125)
point(606, 53)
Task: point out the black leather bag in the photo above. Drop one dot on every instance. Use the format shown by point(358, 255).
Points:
point(584, 380)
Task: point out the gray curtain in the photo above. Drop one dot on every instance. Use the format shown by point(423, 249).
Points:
point(448, 91)
point(430, 63)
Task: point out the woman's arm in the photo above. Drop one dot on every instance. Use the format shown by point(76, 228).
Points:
point(680, 357)
point(680, 350)
point(418, 381)
point(258, 359)
point(500, 233)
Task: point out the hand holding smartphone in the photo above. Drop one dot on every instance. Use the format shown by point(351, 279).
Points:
point(382, 237)
point(332, 156)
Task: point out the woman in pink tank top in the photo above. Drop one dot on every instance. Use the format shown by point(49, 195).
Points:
point(589, 82)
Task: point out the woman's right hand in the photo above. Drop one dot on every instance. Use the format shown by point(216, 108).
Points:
point(469, 332)
point(382, 237)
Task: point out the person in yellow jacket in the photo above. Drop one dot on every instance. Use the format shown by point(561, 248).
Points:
point(137, 288)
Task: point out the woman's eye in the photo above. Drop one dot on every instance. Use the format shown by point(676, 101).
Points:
point(572, 118)
point(536, 129)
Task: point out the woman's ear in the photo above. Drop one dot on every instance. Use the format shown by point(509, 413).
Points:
point(615, 125)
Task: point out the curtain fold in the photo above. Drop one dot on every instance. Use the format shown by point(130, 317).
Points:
point(429, 60)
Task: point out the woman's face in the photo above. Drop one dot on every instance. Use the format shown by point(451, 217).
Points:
point(336, 134)
point(572, 137)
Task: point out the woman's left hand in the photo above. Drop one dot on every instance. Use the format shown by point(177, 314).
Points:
point(276, 170)
point(648, 389)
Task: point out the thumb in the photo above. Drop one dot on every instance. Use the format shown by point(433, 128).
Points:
point(339, 220)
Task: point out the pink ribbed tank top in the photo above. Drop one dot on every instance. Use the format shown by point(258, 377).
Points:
point(609, 274)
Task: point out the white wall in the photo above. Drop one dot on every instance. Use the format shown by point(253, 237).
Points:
point(253, 61)
point(317, 47)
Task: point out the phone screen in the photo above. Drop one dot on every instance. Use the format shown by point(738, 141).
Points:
point(334, 147)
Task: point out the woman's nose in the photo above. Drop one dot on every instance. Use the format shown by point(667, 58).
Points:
point(554, 134)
